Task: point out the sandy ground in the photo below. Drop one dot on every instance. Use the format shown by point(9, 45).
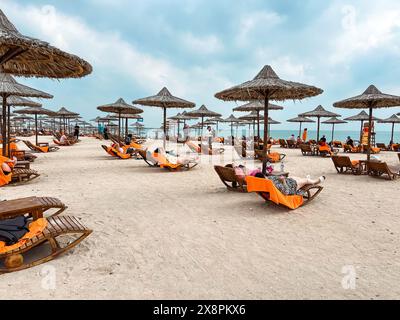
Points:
point(161, 235)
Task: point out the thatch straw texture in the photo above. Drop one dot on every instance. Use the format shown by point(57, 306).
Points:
point(164, 99)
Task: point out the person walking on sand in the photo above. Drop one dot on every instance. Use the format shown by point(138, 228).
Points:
point(76, 132)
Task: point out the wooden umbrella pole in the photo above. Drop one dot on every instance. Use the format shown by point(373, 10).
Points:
point(9, 131)
point(391, 139)
point(258, 125)
point(300, 129)
point(36, 129)
point(4, 132)
point(265, 147)
point(177, 135)
point(333, 131)
point(119, 126)
point(165, 126)
point(361, 130)
point(369, 133)
point(126, 127)
point(319, 119)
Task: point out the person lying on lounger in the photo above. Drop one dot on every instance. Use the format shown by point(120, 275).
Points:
point(8, 165)
point(288, 186)
point(173, 158)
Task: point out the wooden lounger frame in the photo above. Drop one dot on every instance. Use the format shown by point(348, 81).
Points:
point(306, 150)
point(33, 147)
point(229, 178)
point(378, 169)
point(343, 165)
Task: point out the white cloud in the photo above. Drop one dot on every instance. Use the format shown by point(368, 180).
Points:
point(256, 23)
point(108, 52)
point(202, 45)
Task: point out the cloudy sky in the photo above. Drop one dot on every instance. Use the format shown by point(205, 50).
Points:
point(199, 47)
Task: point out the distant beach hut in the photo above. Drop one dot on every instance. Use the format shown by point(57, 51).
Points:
point(393, 120)
point(319, 112)
point(371, 99)
point(301, 120)
point(165, 100)
point(264, 87)
point(334, 121)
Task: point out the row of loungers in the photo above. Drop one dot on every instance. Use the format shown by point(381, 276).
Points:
point(343, 165)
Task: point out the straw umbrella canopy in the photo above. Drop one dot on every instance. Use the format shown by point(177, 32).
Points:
point(393, 120)
point(181, 117)
point(362, 117)
point(231, 119)
point(164, 99)
point(371, 99)
point(120, 107)
point(300, 120)
point(268, 86)
point(138, 127)
point(10, 87)
point(253, 116)
point(64, 114)
point(25, 56)
point(257, 106)
point(203, 112)
point(127, 116)
point(35, 111)
point(319, 112)
point(333, 121)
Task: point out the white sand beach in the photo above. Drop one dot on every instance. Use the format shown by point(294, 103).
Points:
point(162, 235)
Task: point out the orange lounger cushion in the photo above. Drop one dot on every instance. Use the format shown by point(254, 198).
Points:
point(324, 148)
point(115, 153)
point(135, 145)
point(35, 228)
point(355, 162)
point(5, 178)
point(274, 156)
point(261, 185)
point(163, 161)
point(44, 149)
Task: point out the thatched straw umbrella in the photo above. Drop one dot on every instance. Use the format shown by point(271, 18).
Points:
point(362, 116)
point(120, 107)
point(319, 112)
point(257, 106)
point(10, 87)
point(300, 120)
point(371, 99)
point(181, 117)
point(25, 56)
point(127, 117)
point(253, 116)
point(268, 86)
point(35, 111)
point(203, 112)
point(64, 114)
point(138, 126)
point(333, 121)
point(393, 120)
point(164, 99)
point(231, 119)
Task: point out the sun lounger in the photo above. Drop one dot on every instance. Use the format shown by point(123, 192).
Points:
point(283, 143)
point(229, 178)
point(291, 144)
point(42, 147)
point(22, 155)
point(326, 151)
point(379, 169)
point(337, 144)
point(273, 157)
point(267, 190)
point(143, 155)
point(343, 164)
point(204, 149)
point(307, 150)
point(19, 173)
point(383, 147)
point(163, 162)
point(113, 152)
point(47, 231)
point(350, 149)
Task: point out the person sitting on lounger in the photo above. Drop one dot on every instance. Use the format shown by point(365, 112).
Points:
point(350, 142)
point(8, 165)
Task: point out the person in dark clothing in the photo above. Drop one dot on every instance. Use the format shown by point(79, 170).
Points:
point(350, 141)
point(128, 139)
point(76, 131)
point(105, 133)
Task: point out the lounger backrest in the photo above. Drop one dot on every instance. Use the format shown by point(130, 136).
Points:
point(226, 173)
point(378, 166)
point(341, 161)
point(305, 147)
